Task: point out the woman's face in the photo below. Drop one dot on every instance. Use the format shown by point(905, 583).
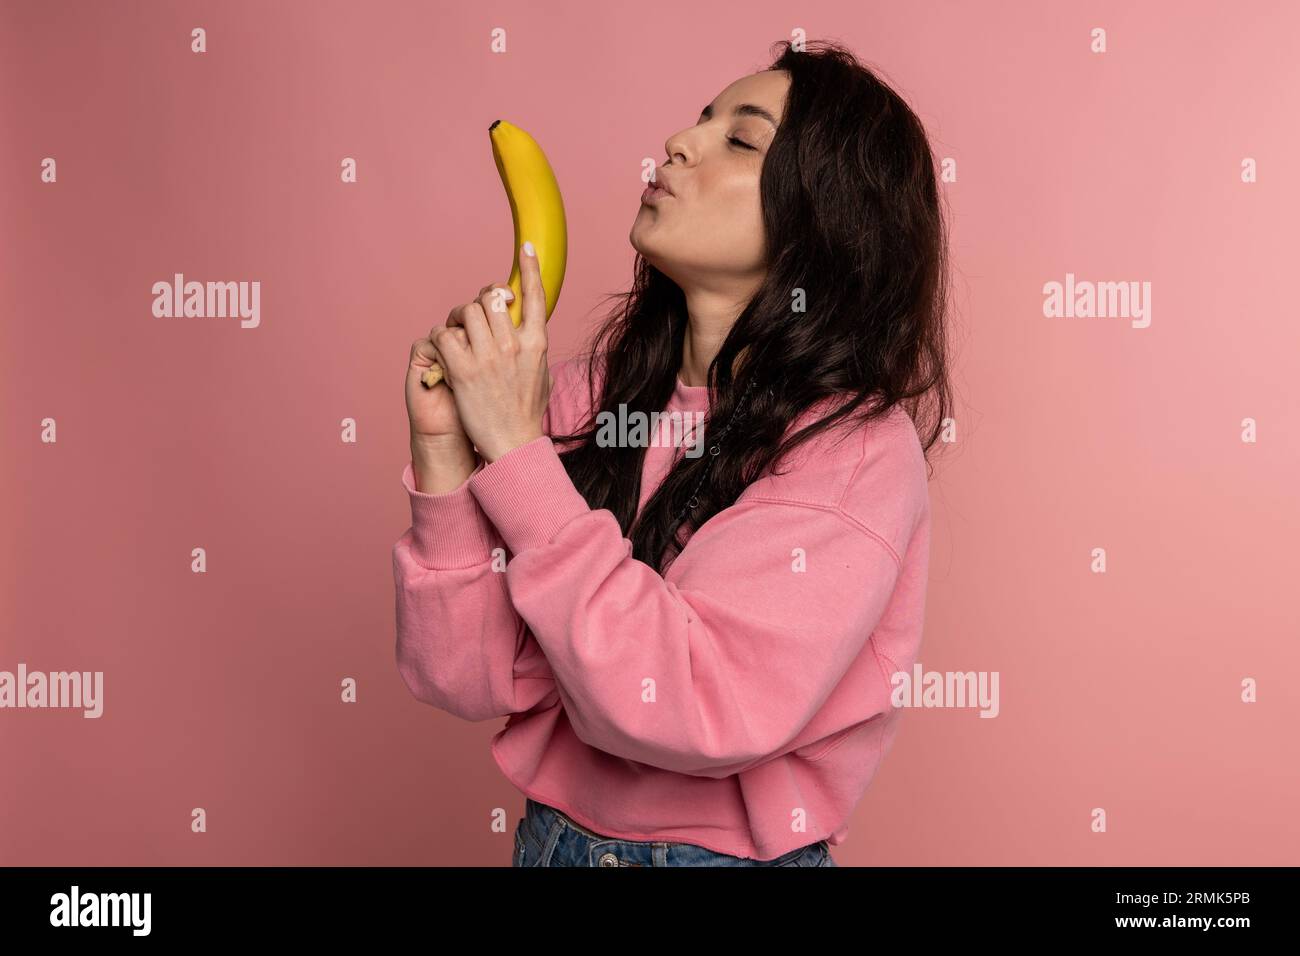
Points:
point(711, 228)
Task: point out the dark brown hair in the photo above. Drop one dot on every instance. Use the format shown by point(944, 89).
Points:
point(851, 212)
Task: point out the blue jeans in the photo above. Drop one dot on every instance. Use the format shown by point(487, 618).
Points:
point(547, 837)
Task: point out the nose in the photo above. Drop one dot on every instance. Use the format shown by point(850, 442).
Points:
point(680, 153)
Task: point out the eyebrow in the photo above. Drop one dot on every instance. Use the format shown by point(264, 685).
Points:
point(744, 109)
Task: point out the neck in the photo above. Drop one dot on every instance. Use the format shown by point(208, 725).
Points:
point(710, 316)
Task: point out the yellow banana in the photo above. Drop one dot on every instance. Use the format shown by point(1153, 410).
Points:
point(538, 213)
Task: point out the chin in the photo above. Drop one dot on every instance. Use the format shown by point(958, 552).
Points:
point(649, 252)
point(637, 238)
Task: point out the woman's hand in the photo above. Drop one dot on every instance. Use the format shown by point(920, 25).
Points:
point(498, 374)
point(432, 411)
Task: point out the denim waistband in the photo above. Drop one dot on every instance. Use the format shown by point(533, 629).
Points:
point(543, 842)
point(545, 809)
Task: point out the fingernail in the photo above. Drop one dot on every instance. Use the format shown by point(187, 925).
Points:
point(528, 249)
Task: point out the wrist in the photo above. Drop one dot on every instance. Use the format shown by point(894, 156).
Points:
point(442, 448)
point(441, 464)
point(435, 476)
point(496, 451)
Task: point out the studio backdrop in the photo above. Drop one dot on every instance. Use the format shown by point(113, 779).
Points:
point(199, 505)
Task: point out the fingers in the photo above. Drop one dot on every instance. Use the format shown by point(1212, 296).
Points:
point(450, 348)
point(483, 328)
point(477, 318)
point(472, 319)
point(494, 302)
point(428, 345)
point(533, 318)
point(423, 353)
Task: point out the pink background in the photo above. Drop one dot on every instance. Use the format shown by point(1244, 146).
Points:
point(1119, 691)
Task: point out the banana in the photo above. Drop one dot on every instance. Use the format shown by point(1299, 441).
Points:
point(538, 213)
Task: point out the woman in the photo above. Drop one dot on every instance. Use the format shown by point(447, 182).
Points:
point(694, 651)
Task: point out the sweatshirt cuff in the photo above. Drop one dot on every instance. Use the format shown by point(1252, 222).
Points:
point(448, 530)
point(527, 494)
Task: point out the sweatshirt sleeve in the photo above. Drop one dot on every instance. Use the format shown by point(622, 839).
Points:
point(719, 664)
point(461, 646)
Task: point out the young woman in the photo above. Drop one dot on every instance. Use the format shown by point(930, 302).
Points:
point(694, 651)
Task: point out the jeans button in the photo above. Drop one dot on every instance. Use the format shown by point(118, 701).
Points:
point(607, 859)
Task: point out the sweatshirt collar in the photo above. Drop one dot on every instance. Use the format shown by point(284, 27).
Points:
point(692, 397)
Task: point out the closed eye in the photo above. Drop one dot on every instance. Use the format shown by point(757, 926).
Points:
point(739, 142)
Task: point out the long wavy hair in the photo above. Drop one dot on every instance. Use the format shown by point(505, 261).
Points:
point(851, 213)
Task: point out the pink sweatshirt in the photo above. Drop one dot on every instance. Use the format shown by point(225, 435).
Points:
point(741, 701)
